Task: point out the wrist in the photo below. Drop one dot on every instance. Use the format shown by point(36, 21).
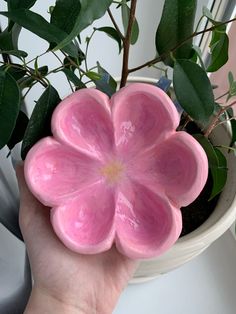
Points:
point(43, 302)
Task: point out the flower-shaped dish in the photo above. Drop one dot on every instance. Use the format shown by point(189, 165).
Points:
point(116, 171)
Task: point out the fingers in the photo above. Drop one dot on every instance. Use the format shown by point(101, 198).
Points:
point(34, 217)
point(32, 212)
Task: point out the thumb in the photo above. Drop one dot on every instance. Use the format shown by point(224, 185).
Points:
point(25, 195)
point(29, 205)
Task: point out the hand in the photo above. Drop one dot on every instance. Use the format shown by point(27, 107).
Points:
point(64, 281)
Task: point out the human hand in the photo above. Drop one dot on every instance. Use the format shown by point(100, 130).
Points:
point(64, 281)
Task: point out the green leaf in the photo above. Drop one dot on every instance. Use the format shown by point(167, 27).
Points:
point(20, 4)
point(121, 3)
point(93, 75)
point(217, 164)
point(125, 10)
point(51, 8)
point(39, 26)
point(233, 130)
point(232, 90)
point(230, 115)
point(219, 174)
point(16, 53)
point(193, 90)
point(209, 149)
point(16, 72)
point(19, 130)
point(219, 50)
point(65, 13)
point(9, 38)
point(232, 85)
point(27, 81)
point(9, 106)
point(112, 32)
point(230, 78)
point(207, 13)
point(91, 10)
point(198, 51)
point(80, 58)
point(39, 125)
point(176, 25)
point(72, 77)
point(6, 40)
point(106, 83)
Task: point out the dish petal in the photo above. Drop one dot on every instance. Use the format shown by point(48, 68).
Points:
point(147, 224)
point(83, 121)
point(177, 167)
point(143, 115)
point(86, 223)
point(54, 172)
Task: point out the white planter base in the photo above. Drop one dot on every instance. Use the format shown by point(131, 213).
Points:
point(191, 245)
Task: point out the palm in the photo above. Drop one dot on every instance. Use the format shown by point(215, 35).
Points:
point(63, 273)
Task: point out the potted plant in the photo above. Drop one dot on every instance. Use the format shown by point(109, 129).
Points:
point(201, 116)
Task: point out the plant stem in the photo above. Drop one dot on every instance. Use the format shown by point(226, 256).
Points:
point(199, 22)
point(126, 43)
point(87, 47)
point(29, 89)
point(115, 24)
point(61, 67)
point(226, 93)
point(222, 122)
point(214, 123)
point(73, 63)
point(158, 59)
point(42, 54)
point(188, 119)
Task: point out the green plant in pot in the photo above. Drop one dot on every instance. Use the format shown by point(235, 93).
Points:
point(190, 89)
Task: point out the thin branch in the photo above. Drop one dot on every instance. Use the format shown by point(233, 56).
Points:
point(69, 83)
point(214, 122)
point(188, 119)
point(42, 54)
point(115, 24)
point(222, 122)
point(160, 58)
point(219, 97)
point(230, 105)
point(126, 44)
point(56, 56)
point(74, 63)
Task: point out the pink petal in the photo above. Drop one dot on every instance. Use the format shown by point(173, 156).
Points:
point(86, 223)
point(83, 121)
point(55, 172)
point(178, 167)
point(142, 115)
point(147, 224)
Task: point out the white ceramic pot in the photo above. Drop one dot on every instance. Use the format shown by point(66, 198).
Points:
point(191, 245)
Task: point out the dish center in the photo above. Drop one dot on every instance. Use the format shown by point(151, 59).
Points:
point(112, 171)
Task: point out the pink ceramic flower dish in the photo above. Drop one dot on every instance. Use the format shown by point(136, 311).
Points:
point(116, 171)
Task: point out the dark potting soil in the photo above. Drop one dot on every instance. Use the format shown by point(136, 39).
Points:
point(197, 212)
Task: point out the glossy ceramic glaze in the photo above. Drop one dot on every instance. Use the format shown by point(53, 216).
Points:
point(116, 171)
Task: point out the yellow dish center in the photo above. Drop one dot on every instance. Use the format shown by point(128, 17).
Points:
point(112, 171)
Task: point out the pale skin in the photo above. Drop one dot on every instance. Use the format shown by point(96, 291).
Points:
point(67, 282)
